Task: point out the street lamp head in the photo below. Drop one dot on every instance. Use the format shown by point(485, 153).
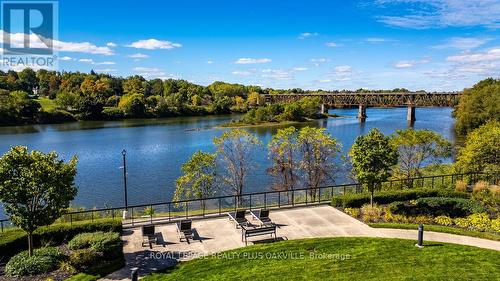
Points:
point(124, 152)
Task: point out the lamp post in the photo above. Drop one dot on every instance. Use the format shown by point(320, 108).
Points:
point(124, 154)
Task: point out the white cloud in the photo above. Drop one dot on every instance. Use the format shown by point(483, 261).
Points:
point(468, 57)
point(411, 63)
point(375, 40)
point(324, 80)
point(105, 63)
point(86, 60)
point(300, 68)
point(319, 61)
point(152, 44)
point(252, 61)
point(422, 14)
point(308, 35)
point(17, 39)
point(342, 72)
point(146, 69)
point(464, 43)
point(343, 69)
point(111, 44)
point(66, 58)
point(209, 62)
point(138, 56)
point(277, 74)
point(241, 73)
point(331, 44)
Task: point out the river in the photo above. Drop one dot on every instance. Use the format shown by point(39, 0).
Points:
point(156, 148)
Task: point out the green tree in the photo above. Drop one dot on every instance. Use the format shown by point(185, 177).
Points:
point(372, 157)
point(134, 85)
point(417, 148)
point(198, 179)
point(481, 152)
point(284, 156)
point(133, 105)
point(235, 150)
point(318, 151)
point(478, 105)
point(35, 188)
point(254, 99)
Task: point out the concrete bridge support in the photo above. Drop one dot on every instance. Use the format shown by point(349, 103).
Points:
point(410, 116)
point(323, 109)
point(362, 112)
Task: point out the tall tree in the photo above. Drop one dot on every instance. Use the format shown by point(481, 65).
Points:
point(235, 150)
point(198, 179)
point(318, 151)
point(478, 105)
point(35, 188)
point(284, 155)
point(372, 157)
point(417, 148)
point(481, 152)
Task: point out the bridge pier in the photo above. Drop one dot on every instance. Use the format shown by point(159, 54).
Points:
point(323, 109)
point(362, 112)
point(410, 115)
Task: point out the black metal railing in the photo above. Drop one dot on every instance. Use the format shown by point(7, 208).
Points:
point(216, 206)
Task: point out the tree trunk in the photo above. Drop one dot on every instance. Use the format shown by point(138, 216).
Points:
point(30, 244)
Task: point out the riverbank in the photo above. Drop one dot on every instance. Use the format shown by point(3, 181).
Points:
point(240, 124)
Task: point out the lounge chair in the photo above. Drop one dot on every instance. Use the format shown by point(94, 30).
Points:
point(184, 230)
point(262, 216)
point(238, 217)
point(148, 235)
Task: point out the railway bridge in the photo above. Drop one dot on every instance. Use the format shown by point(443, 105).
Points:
point(374, 99)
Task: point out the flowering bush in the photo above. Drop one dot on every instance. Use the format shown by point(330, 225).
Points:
point(462, 222)
point(371, 213)
point(443, 220)
point(353, 212)
point(480, 221)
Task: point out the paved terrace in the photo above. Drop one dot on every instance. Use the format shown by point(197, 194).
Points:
point(218, 234)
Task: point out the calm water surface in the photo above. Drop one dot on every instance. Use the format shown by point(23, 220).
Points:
point(157, 148)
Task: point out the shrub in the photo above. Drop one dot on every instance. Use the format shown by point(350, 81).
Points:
point(43, 260)
point(461, 186)
point(67, 267)
point(14, 241)
point(495, 225)
point(356, 200)
point(462, 222)
point(422, 219)
point(443, 220)
point(99, 241)
point(371, 213)
point(437, 206)
point(84, 258)
point(480, 186)
point(353, 212)
point(112, 113)
point(480, 221)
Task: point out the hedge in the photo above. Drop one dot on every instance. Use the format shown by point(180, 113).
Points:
point(437, 206)
point(356, 200)
point(15, 240)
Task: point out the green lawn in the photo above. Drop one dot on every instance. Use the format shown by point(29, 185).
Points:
point(439, 228)
point(363, 259)
point(47, 104)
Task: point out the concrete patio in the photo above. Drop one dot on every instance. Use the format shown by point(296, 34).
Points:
point(218, 234)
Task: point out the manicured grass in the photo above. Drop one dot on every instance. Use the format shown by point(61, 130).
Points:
point(439, 228)
point(47, 104)
point(99, 271)
point(364, 259)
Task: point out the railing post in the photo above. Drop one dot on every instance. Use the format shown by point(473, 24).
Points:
point(187, 211)
point(265, 200)
point(319, 195)
point(70, 219)
point(235, 203)
point(279, 199)
point(203, 206)
point(151, 213)
point(293, 197)
point(132, 212)
point(219, 206)
point(1, 223)
point(250, 201)
point(92, 213)
point(306, 196)
point(169, 216)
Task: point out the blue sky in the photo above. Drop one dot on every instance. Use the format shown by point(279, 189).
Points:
point(431, 45)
